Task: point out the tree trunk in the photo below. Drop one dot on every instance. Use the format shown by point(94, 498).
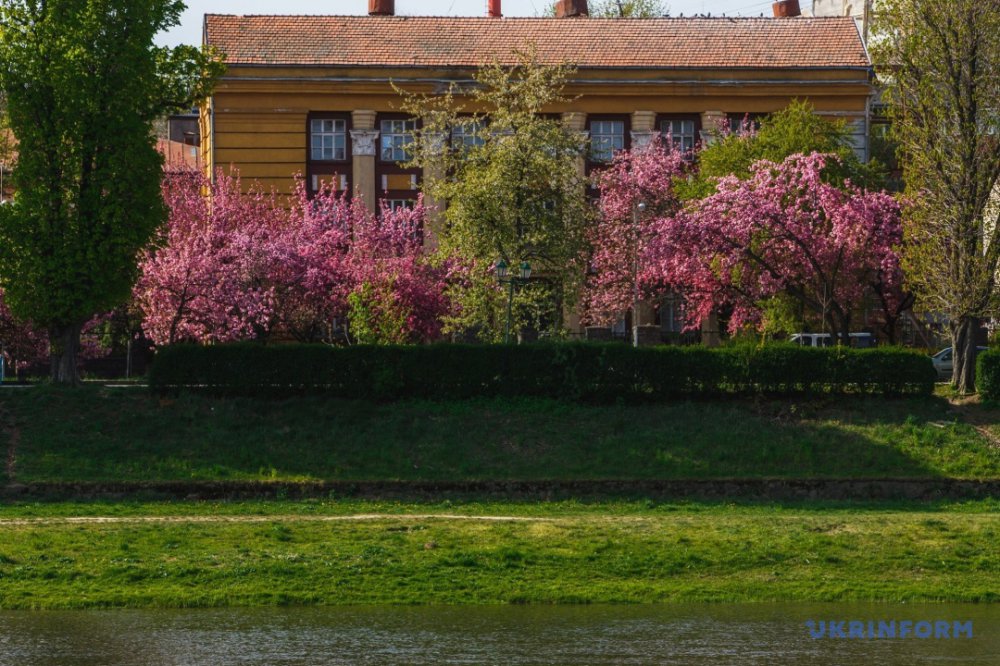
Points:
point(840, 327)
point(889, 328)
point(710, 334)
point(65, 344)
point(963, 354)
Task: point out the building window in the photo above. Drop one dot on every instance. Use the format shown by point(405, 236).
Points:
point(606, 138)
point(327, 149)
point(396, 135)
point(741, 122)
point(680, 132)
point(468, 134)
point(328, 139)
point(338, 181)
point(671, 314)
point(397, 204)
point(393, 180)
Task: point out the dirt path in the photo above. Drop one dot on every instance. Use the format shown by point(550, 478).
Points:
point(113, 520)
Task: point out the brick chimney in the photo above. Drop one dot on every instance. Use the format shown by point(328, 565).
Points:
point(493, 9)
point(381, 7)
point(786, 8)
point(569, 8)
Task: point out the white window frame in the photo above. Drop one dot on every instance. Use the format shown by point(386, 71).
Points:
point(329, 137)
point(679, 137)
point(317, 179)
point(606, 138)
point(395, 135)
point(396, 204)
point(468, 134)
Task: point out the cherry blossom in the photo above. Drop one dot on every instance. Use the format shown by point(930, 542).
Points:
point(231, 265)
point(644, 175)
point(783, 230)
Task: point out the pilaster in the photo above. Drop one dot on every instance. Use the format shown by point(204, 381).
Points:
point(364, 140)
point(576, 122)
point(436, 145)
point(711, 123)
point(644, 121)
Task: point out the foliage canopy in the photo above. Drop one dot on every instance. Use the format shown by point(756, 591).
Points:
point(795, 129)
point(83, 83)
point(512, 188)
point(939, 61)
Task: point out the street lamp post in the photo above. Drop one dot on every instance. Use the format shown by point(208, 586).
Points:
point(504, 277)
point(638, 209)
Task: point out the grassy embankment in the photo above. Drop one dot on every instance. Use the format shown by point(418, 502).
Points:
point(258, 553)
point(294, 553)
point(98, 434)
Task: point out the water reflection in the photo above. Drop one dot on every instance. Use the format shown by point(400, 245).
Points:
point(686, 634)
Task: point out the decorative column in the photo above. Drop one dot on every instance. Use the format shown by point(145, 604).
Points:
point(711, 123)
point(364, 140)
point(643, 128)
point(436, 145)
point(576, 122)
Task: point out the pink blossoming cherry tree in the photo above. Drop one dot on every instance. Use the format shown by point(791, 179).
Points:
point(782, 231)
point(231, 265)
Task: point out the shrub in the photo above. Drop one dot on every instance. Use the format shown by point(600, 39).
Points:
point(988, 375)
point(576, 371)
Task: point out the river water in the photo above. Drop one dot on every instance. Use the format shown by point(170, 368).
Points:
point(695, 634)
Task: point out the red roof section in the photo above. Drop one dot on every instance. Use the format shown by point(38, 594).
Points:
point(590, 43)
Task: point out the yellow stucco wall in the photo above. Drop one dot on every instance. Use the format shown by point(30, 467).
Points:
point(256, 121)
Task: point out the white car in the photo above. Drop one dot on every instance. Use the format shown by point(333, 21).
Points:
point(858, 340)
point(944, 363)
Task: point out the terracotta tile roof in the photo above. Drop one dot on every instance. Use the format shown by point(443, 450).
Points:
point(667, 43)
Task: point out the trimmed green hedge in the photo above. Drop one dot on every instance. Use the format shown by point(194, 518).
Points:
point(988, 375)
point(576, 371)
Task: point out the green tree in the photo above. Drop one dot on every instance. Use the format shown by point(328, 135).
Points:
point(940, 63)
point(795, 129)
point(83, 83)
point(375, 317)
point(622, 9)
point(510, 180)
point(7, 151)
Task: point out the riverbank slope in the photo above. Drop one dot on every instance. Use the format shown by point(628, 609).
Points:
point(346, 552)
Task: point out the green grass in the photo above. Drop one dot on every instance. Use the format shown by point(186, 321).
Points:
point(102, 434)
point(561, 553)
point(170, 554)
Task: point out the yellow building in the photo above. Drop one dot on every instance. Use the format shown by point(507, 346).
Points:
point(313, 94)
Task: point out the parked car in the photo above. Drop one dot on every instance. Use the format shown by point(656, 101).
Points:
point(944, 363)
point(858, 340)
